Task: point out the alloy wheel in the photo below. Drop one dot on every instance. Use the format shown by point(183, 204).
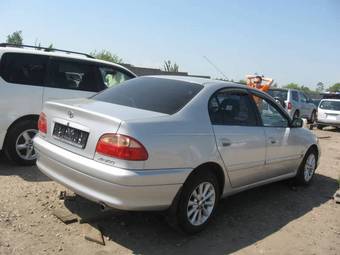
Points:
point(309, 167)
point(201, 203)
point(24, 145)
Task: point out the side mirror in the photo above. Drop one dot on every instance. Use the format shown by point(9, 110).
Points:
point(297, 123)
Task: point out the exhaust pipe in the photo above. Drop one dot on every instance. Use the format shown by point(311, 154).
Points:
point(103, 207)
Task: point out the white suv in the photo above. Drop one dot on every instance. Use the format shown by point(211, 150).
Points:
point(29, 77)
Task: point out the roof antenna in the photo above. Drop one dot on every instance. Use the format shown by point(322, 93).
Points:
point(217, 69)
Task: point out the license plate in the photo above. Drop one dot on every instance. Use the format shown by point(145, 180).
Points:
point(70, 135)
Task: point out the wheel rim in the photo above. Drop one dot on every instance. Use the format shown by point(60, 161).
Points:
point(201, 203)
point(309, 167)
point(24, 145)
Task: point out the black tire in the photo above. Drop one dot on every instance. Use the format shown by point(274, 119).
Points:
point(319, 126)
point(181, 220)
point(11, 141)
point(301, 177)
point(312, 118)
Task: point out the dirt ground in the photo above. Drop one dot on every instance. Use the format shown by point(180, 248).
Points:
point(274, 219)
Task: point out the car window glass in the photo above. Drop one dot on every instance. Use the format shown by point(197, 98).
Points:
point(231, 108)
point(152, 94)
point(26, 69)
point(281, 94)
point(270, 115)
point(330, 105)
point(69, 74)
point(303, 98)
point(112, 77)
point(295, 96)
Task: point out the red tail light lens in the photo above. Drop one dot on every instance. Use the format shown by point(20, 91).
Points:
point(122, 147)
point(42, 123)
point(289, 106)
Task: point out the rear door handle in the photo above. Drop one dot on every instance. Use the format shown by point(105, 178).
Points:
point(225, 142)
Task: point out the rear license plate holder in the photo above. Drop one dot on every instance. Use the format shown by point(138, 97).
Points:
point(70, 135)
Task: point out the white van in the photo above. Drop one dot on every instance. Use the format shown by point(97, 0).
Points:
point(29, 76)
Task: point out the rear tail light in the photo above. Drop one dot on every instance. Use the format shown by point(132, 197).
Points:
point(289, 106)
point(42, 123)
point(122, 147)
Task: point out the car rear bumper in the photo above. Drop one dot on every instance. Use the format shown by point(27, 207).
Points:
point(327, 122)
point(118, 188)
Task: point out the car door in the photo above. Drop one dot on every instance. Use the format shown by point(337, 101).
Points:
point(283, 144)
point(304, 106)
point(240, 140)
point(21, 87)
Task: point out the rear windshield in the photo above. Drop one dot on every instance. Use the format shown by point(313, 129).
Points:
point(330, 105)
point(282, 94)
point(152, 94)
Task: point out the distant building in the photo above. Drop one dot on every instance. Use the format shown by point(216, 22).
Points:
point(142, 71)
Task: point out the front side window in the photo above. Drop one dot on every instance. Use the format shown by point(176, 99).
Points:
point(270, 115)
point(152, 94)
point(28, 69)
point(70, 74)
point(112, 77)
point(231, 108)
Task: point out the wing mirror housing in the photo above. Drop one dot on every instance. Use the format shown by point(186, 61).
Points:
point(297, 123)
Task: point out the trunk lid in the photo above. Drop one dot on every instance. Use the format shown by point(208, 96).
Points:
point(77, 124)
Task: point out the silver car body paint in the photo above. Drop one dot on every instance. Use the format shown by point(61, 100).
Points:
point(176, 144)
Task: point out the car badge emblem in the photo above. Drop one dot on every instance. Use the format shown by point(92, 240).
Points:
point(70, 114)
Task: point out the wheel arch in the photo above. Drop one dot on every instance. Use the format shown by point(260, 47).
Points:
point(29, 117)
point(215, 168)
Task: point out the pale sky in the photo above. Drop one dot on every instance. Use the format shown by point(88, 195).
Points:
point(290, 41)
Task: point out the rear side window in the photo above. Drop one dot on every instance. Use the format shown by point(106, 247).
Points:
point(28, 69)
point(152, 94)
point(295, 96)
point(71, 74)
point(232, 108)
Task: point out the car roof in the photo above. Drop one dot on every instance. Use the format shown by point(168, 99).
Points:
point(76, 56)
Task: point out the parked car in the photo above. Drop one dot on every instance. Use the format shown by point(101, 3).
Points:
point(329, 113)
point(177, 143)
point(29, 77)
point(296, 103)
point(330, 95)
point(316, 102)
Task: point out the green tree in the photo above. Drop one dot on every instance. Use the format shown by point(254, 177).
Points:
point(334, 88)
point(169, 67)
point(107, 56)
point(320, 87)
point(292, 86)
point(242, 82)
point(15, 38)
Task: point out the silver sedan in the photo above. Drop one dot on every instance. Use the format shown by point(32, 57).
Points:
point(176, 143)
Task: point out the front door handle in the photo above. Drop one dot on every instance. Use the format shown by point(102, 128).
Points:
point(225, 142)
